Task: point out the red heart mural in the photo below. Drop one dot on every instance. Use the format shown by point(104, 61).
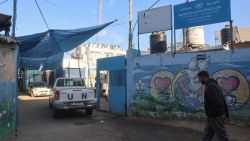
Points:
point(162, 83)
point(228, 84)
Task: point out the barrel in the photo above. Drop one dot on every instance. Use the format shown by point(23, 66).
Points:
point(158, 43)
point(226, 35)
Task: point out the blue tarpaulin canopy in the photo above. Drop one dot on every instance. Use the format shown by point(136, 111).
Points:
point(47, 48)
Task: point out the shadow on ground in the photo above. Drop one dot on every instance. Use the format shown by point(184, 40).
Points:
point(36, 123)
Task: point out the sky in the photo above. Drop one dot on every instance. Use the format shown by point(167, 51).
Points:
point(71, 14)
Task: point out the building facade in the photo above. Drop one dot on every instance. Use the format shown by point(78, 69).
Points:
point(88, 54)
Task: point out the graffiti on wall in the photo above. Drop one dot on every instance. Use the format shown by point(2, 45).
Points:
point(7, 91)
point(179, 93)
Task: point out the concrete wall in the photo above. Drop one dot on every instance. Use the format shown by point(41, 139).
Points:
point(8, 89)
point(167, 85)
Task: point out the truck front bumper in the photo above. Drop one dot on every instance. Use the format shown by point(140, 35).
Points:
point(75, 105)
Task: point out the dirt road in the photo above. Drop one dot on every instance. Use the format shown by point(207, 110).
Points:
point(36, 123)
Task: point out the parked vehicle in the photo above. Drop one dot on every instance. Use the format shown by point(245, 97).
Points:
point(39, 89)
point(72, 94)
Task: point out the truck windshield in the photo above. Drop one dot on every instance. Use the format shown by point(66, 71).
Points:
point(39, 84)
point(70, 82)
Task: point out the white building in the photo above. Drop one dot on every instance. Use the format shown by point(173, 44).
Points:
point(87, 54)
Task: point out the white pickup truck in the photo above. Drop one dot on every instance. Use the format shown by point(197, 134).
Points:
point(72, 94)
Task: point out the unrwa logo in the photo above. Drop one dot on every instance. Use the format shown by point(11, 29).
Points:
point(199, 5)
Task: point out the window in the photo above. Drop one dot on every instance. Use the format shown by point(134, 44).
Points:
point(39, 84)
point(79, 82)
point(70, 82)
point(60, 83)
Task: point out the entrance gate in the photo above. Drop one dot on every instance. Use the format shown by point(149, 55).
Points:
point(115, 68)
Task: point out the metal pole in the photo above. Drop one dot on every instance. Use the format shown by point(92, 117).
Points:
point(17, 65)
point(172, 31)
point(138, 38)
point(130, 25)
point(88, 61)
point(174, 51)
point(185, 39)
point(185, 36)
point(99, 19)
point(172, 40)
point(138, 42)
point(99, 16)
point(231, 35)
point(14, 18)
point(80, 73)
point(17, 92)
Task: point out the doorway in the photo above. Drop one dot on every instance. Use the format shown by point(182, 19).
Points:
point(104, 90)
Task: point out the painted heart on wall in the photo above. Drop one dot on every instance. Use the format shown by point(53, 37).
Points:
point(228, 84)
point(162, 83)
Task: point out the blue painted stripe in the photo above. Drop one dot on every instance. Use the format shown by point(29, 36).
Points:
point(7, 88)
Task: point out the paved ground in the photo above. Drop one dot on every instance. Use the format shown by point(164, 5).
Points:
point(36, 123)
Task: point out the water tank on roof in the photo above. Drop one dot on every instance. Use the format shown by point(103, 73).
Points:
point(195, 36)
point(226, 35)
point(158, 43)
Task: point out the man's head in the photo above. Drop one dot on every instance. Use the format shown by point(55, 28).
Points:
point(203, 77)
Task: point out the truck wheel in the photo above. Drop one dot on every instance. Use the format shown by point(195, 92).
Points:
point(89, 111)
point(56, 113)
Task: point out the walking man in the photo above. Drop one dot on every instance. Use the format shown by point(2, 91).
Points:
point(215, 108)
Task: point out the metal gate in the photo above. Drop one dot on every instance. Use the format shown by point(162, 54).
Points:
point(117, 83)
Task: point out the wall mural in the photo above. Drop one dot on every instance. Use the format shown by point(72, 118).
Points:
point(161, 92)
point(7, 91)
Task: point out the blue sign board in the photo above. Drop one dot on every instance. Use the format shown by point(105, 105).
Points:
point(201, 12)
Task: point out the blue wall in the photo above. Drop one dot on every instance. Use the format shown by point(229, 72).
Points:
point(163, 85)
point(117, 83)
point(8, 90)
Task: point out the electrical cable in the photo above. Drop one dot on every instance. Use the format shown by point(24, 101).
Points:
point(3, 2)
point(118, 24)
point(121, 17)
point(64, 9)
point(76, 14)
point(42, 14)
point(153, 4)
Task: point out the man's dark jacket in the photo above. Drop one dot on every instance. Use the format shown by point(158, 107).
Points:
point(215, 104)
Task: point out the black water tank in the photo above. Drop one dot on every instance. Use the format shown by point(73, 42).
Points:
point(158, 43)
point(226, 34)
